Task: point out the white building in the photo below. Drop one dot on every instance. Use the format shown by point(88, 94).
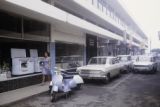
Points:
point(73, 30)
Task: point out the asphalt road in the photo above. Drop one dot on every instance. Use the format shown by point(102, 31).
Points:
point(129, 90)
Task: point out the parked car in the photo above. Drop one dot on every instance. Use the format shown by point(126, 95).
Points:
point(145, 63)
point(102, 67)
point(134, 58)
point(127, 63)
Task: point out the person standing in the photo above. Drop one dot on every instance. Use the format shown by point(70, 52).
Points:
point(46, 73)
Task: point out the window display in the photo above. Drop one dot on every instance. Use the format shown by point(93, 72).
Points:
point(69, 56)
point(6, 57)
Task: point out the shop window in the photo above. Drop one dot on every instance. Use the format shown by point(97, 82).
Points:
point(104, 9)
point(33, 27)
point(10, 24)
point(95, 3)
point(69, 56)
point(100, 5)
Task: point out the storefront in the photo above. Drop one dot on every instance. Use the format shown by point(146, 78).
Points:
point(20, 33)
point(69, 50)
point(69, 56)
point(108, 47)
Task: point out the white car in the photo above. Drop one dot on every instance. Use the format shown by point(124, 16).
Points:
point(126, 62)
point(100, 68)
point(134, 58)
point(145, 63)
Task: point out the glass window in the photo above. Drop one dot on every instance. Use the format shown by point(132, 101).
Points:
point(10, 24)
point(100, 5)
point(34, 27)
point(111, 61)
point(104, 9)
point(124, 58)
point(144, 58)
point(68, 55)
point(107, 11)
point(95, 3)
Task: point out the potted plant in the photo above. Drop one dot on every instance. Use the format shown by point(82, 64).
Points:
point(5, 71)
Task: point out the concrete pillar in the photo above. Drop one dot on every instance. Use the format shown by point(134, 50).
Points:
point(84, 56)
point(53, 57)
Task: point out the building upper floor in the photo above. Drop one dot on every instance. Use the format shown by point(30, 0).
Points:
point(108, 14)
point(90, 15)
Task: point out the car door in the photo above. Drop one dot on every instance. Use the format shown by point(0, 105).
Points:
point(111, 67)
point(114, 67)
point(117, 66)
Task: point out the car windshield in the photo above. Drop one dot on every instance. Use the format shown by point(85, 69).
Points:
point(133, 58)
point(144, 58)
point(100, 61)
point(123, 58)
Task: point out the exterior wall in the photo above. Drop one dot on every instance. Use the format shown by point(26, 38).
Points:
point(108, 12)
point(65, 37)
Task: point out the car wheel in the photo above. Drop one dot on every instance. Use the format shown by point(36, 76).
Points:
point(129, 70)
point(134, 71)
point(79, 86)
point(119, 75)
point(50, 89)
point(53, 96)
point(154, 70)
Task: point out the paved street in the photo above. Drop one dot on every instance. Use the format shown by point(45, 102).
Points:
point(129, 90)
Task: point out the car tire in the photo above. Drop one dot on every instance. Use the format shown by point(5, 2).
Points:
point(53, 96)
point(130, 70)
point(119, 75)
point(134, 71)
point(154, 70)
point(79, 86)
point(50, 89)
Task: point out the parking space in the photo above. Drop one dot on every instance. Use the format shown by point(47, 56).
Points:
point(128, 90)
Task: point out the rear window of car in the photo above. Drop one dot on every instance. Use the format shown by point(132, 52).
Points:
point(100, 61)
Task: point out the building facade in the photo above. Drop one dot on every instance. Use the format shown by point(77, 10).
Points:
point(72, 30)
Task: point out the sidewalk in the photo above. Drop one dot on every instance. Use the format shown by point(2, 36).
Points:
point(22, 93)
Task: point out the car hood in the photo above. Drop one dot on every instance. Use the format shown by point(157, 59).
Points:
point(92, 67)
point(143, 63)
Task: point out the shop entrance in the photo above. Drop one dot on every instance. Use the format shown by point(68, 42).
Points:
point(69, 56)
point(91, 46)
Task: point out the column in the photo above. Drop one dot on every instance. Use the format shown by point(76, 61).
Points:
point(84, 56)
point(53, 57)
